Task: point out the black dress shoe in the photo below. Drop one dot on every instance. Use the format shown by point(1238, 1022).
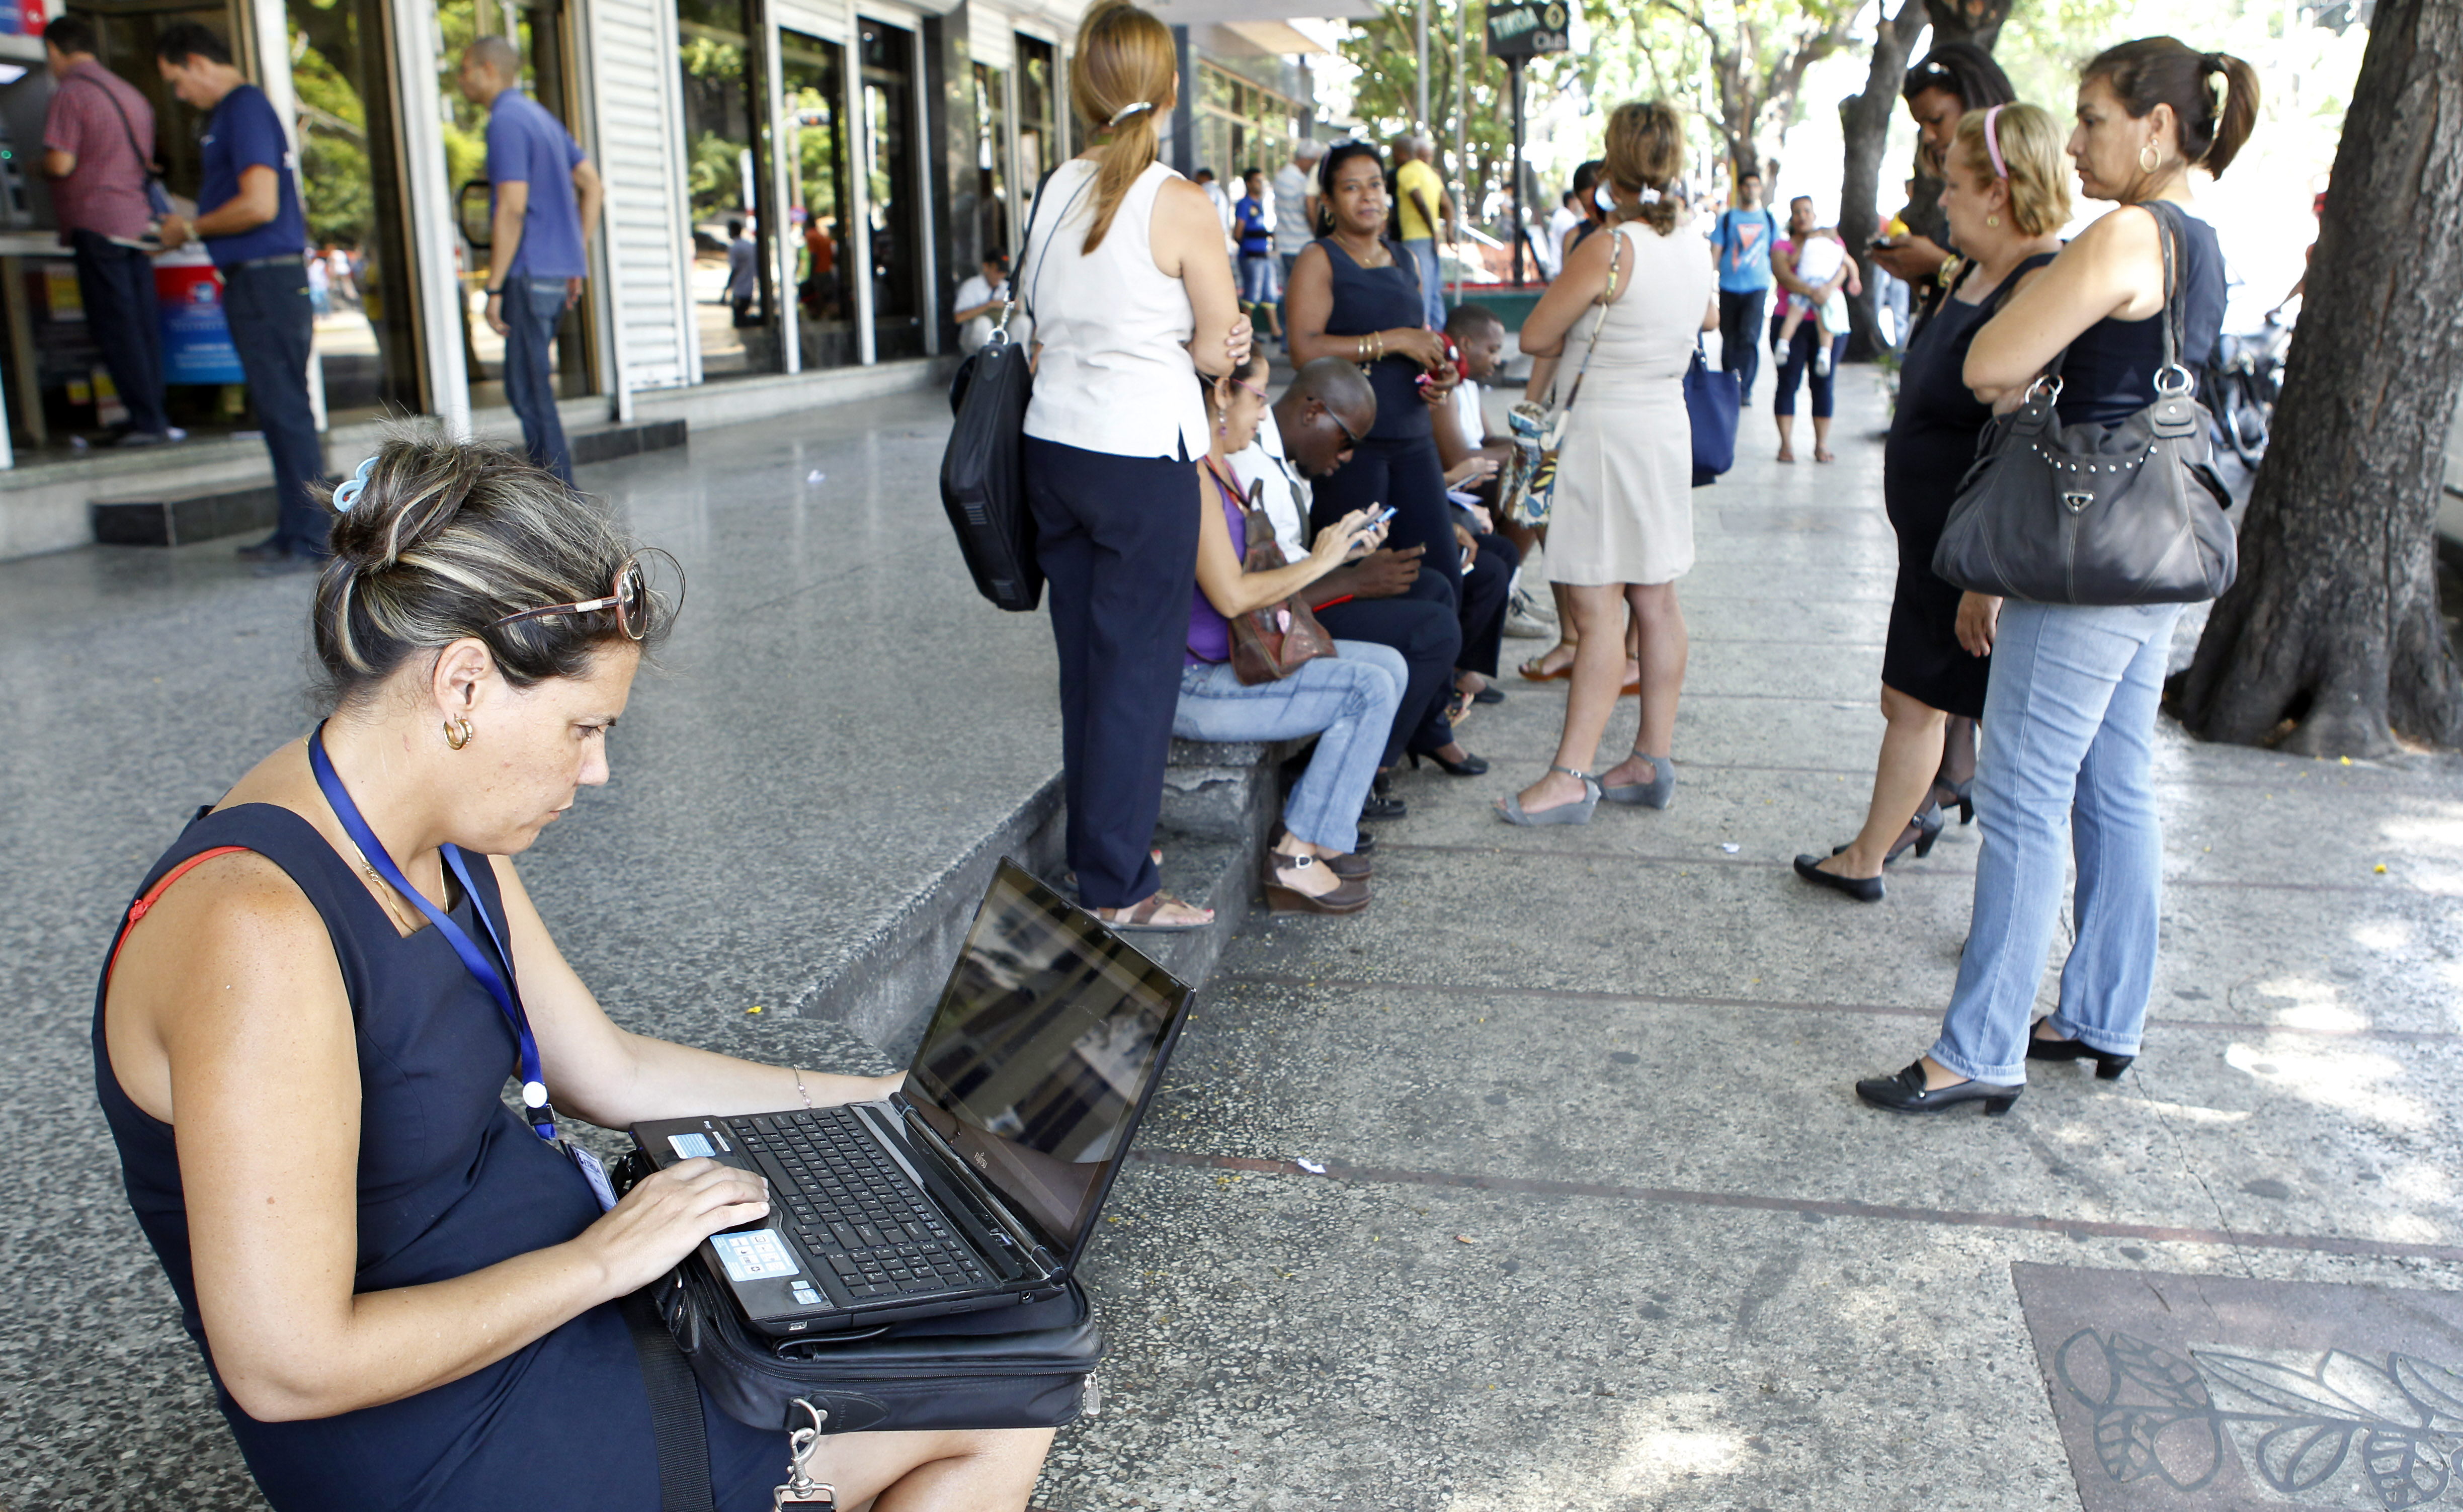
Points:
point(1469, 766)
point(2108, 1067)
point(1905, 1093)
point(1863, 889)
point(1363, 842)
point(1491, 694)
point(1380, 808)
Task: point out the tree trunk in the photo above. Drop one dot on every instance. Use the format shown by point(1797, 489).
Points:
point(1977, 21)
point(2330, 644)
point(1865, 119)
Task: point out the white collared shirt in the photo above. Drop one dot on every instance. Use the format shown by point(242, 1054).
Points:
point(1287, 496)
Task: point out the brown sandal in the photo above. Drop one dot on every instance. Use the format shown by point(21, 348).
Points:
point(1139, 917)
point(1349, 898)
point(1348, 866)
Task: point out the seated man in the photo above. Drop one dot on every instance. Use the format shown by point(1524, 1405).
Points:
point(1470, 456)
point(1386, 597)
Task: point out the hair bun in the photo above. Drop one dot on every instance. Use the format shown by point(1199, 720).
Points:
point(413, 488)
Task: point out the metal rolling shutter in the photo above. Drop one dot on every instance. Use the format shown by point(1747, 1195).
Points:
point(639, 140)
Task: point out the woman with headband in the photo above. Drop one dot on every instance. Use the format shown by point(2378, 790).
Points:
point(1132, 298)
point(407, 1293)
point(2005, 189)
point(2069, 720)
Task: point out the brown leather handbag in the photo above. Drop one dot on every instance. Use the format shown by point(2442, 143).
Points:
point(1267, 643)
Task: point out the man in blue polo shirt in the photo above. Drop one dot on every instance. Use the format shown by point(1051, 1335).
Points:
point(545, 199)
point(1743, 240)
point(248, 219)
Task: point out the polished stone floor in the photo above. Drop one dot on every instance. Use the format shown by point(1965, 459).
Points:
point(1588, 1216)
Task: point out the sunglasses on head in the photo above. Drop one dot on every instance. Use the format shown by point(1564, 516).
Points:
point(629, 596)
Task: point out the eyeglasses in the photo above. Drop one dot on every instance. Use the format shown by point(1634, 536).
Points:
point(1251, 388)
point(1348, 435)
point(629, 596)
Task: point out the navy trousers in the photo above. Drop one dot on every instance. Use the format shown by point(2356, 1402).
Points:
point(1740, 334)
point(117, 285)
point(1118, 540)
point(533, 309)
point(1422, 625)
point(267, 306)
point(1485, 589)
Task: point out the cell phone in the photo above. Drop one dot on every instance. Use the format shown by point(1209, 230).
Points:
point(1379, 518)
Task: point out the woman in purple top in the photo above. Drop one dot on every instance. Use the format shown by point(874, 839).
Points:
point(1347, 700)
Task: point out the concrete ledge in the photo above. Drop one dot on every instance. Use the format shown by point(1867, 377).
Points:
point(732, 400)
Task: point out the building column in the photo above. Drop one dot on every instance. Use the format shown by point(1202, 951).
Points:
point(1183, 110)
point(418, 42)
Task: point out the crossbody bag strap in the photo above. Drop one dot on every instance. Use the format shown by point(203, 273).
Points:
point(675, 1410)
point(1615, 252)
point(128, 131)
point(1026, 244)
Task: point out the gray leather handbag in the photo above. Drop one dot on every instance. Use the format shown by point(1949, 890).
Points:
point(2130, 513)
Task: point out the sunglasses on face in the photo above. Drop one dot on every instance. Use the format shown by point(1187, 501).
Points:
point(1348, 437)
point(629, 596)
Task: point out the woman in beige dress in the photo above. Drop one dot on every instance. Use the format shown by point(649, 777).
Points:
point(1620, 531)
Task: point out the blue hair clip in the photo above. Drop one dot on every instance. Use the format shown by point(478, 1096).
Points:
point(348, 494)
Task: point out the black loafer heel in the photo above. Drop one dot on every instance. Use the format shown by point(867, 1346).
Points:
point(1905, 1093)
point(2108, 1067)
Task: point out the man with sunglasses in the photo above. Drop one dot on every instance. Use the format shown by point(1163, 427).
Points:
point(1387, 597)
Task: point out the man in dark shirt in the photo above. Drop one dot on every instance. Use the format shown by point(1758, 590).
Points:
point(248, 218)
point(546, 199)
point(99, 152)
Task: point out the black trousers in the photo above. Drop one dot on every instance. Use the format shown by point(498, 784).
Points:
point(1740, 330)
point(1485, 589)
point(1423, 627)
point(117, 285)
point(1118, 540)
point(267, 306)
point(1403, 472)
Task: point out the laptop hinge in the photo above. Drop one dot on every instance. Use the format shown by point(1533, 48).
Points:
point(1028, 1246)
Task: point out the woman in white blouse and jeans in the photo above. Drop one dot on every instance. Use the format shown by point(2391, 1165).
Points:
point(1132, 298)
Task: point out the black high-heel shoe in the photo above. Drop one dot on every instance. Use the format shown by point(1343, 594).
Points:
point(1921, 842)
point(1380, 802)
point(1863, 889)
point(1958, 794)
point(1469, 766)
point(1905, 1093)
point(2108, 1067)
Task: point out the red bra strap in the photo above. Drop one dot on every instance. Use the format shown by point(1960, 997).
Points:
point(154, 895)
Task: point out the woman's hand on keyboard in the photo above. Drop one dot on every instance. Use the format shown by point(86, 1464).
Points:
point(666, 1214)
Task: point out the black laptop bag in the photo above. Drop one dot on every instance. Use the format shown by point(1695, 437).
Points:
point(983, 482)
point(1027, 1366)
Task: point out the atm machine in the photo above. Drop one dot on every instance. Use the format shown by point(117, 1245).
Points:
point(28, 230)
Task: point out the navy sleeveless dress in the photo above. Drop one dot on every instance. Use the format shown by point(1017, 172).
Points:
point(449, 1182)
point(1934, 434)
point(1396, 463)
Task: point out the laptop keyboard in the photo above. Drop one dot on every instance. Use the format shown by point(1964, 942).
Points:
point(856, 1210)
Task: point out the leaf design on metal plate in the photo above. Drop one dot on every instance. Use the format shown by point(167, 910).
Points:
point(2172, 1380)
point(2184, 1448)
point(2436, 1391)
point(2302, 1457)
point(2279, 1386)
point(2403, 1472)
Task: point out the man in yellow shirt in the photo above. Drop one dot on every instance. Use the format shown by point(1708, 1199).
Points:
point(1423, 206)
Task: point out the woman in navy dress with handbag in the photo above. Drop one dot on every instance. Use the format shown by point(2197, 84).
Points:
point(406, 1295)
point(2005, 189)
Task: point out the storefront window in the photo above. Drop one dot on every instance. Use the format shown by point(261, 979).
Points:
point(988, 188)
point(359, 279)
point(536, 30)
point(891, 180)
point(726, 173)
point(815, 76)
point(1038, 145)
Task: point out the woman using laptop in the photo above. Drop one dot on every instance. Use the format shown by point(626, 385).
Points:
point(405, 1291)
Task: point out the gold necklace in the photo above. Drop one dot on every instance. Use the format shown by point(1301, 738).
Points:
point(385, 895)
point(1385, 254)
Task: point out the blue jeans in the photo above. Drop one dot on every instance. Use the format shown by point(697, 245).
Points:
point(266, 305)
point(1433, 290)
point(2068, 743)
point(533, 310)
point(1257, 286)
point(1347, 701)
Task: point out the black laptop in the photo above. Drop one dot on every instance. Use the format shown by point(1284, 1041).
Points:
point(978, 1183)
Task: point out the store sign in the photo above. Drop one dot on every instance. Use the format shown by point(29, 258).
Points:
point(1527, 30)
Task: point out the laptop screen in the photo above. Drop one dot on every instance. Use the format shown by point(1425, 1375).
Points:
point(1047, 1043)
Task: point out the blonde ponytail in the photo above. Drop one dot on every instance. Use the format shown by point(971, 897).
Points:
point(1119, 82)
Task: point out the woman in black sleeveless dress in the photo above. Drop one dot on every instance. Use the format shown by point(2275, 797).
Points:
point(1352, 298)
point(406, 1295)
point(2066, 769)
point(2005, 190)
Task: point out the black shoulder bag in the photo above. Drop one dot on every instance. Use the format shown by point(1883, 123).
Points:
point(983, 470)
point(2131, 513)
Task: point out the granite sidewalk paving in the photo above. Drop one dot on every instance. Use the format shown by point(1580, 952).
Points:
point(1539, 1186)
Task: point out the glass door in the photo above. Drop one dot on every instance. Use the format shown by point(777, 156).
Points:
point(728, 174)
point(540, 32)
point(359, 279)
point(1039, 144)
point(814, 74)
point(889, 168)
point(990, 184)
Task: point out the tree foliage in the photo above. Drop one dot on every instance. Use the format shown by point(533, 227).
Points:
point(1386, 50)
point(1756, 52)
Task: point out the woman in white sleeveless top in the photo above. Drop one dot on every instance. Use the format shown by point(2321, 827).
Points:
point(1132, 298)
point(1620, 531)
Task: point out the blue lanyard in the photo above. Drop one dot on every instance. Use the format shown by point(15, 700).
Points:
point(539, 1111)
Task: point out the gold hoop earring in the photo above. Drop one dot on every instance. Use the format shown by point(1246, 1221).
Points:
point(457, 733)
point(2145, 153)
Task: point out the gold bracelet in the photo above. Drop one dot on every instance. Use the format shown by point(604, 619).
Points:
point(799, 1086)
point(1360, 349)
